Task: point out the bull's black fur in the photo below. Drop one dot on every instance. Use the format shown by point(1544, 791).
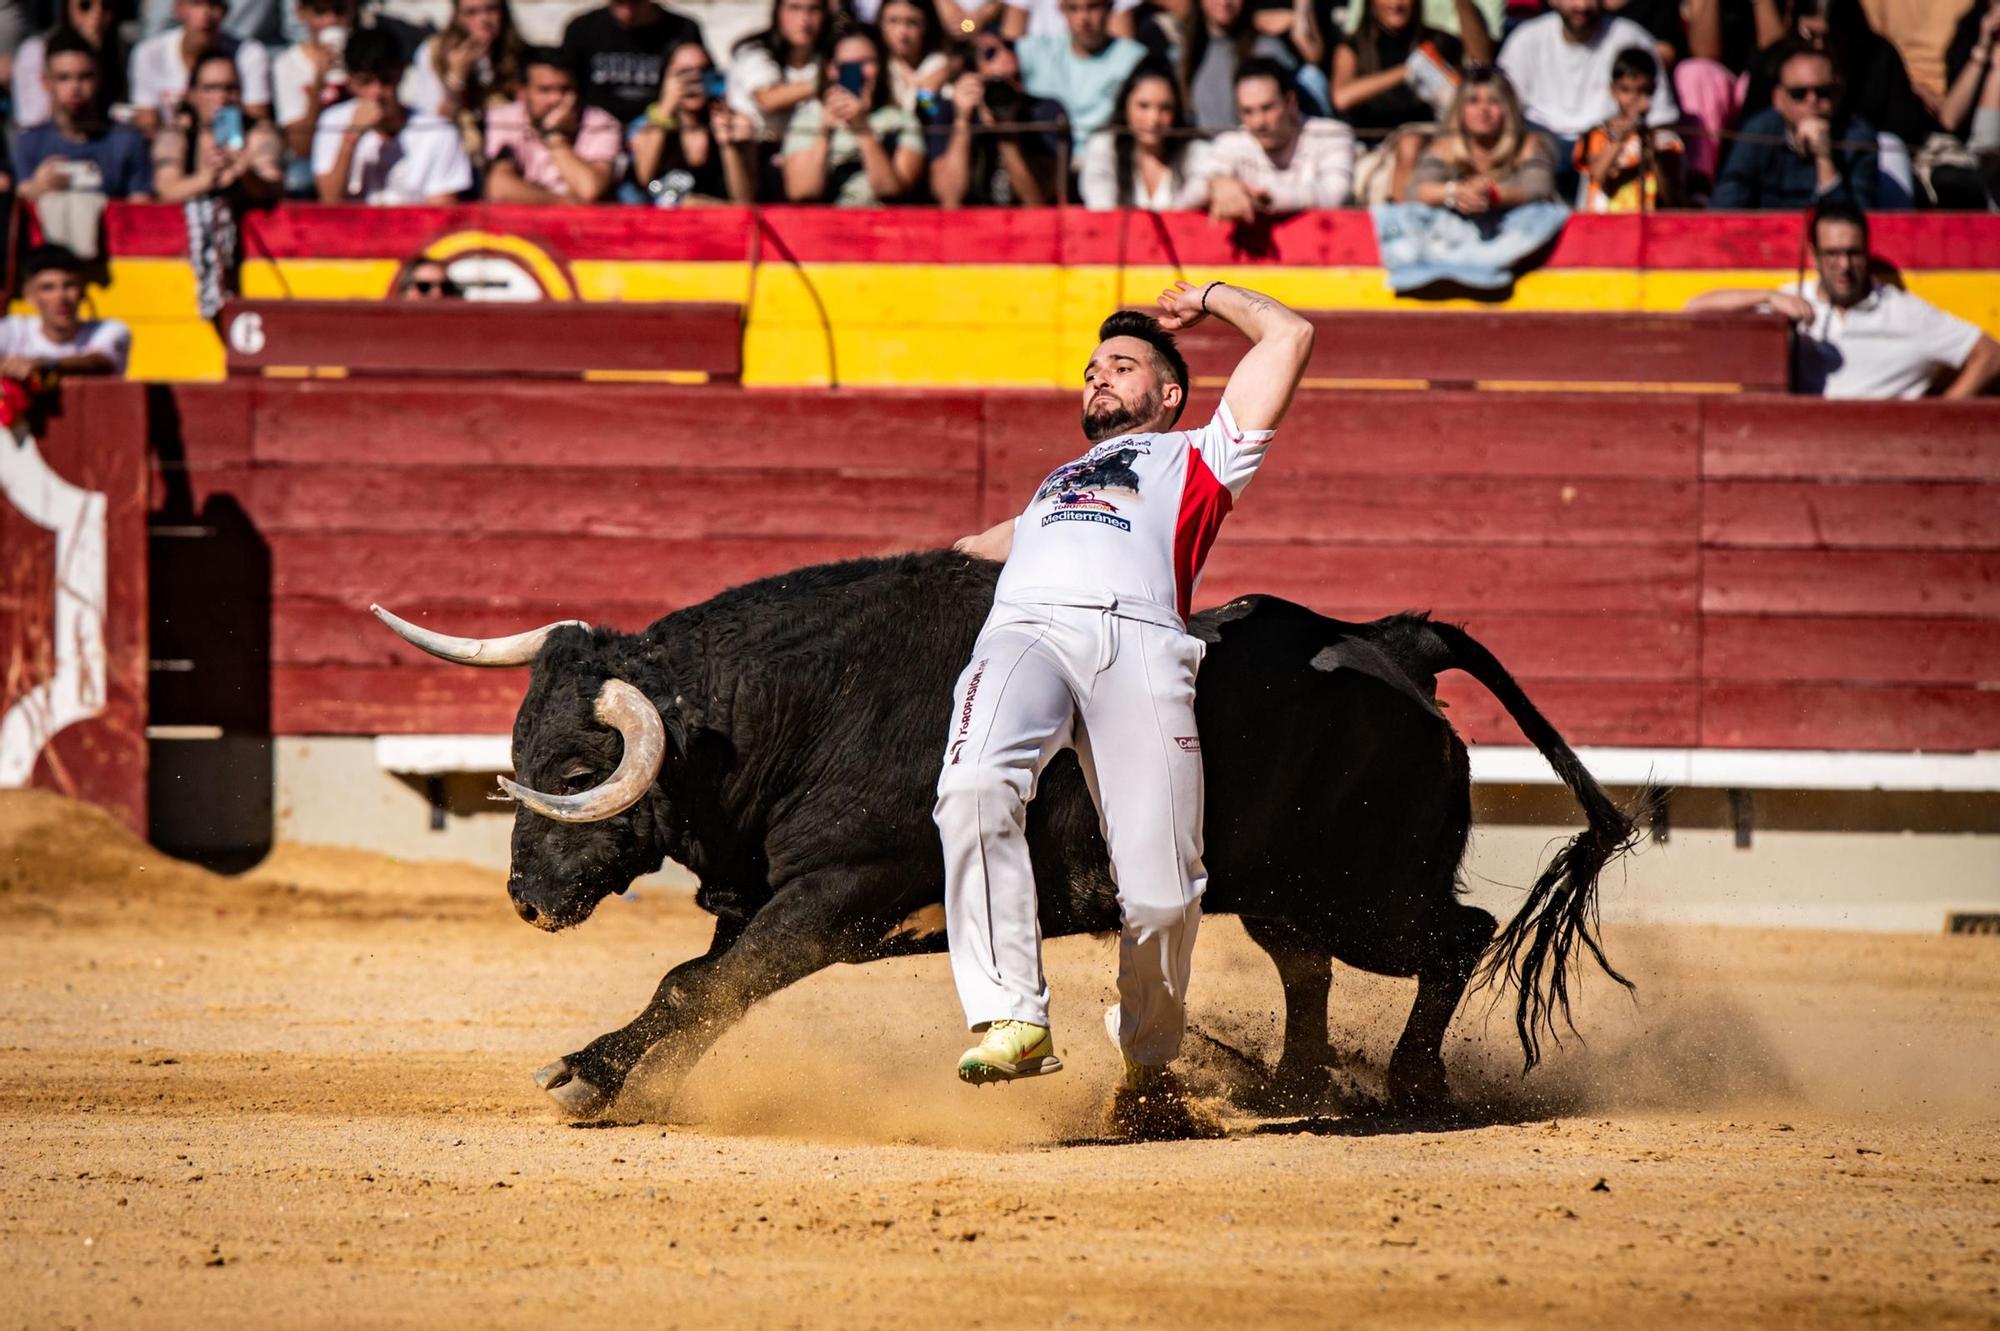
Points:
point(806, 714)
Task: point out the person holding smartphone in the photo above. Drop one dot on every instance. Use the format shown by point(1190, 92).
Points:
point(209, 147)
point(692, 147)
point(852, 145)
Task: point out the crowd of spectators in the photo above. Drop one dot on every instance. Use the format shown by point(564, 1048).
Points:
point(1240, 107)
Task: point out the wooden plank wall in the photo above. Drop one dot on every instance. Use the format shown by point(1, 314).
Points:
point(1658, 570)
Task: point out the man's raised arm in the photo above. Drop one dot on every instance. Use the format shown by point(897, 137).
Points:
point(1260, 391)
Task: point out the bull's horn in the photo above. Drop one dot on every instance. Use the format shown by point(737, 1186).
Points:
point(516, 649)
point(632, 714)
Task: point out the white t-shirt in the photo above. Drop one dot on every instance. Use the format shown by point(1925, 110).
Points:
point(160, 77)
point(1890, 345)
point(21, 335)
point(426, 157)
point(1046, 16)
point(1565, 86)
point(1097, 178)
point(292, 81)
point(753, 69)
point(1128, 526)
point(31, 98)
point(1319, 175)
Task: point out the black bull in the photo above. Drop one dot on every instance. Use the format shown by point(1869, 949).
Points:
point(805, 716)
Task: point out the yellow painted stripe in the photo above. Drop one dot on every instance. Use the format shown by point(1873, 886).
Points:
point(645, 376)
point(305, 371)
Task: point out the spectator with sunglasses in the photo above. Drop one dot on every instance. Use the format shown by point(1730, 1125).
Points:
point(429, 279)
point(1803, 149)
point(973, 162)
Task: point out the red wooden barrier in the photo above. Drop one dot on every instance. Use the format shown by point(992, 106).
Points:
point(73, 608)
point(1657, 570)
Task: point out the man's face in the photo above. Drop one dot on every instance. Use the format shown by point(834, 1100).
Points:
point(1125, 390)
point(373, 88)
point(550, 95)
point(429, 281)
point(201, 18)
point(633, 13)
point(1634, 95)
point(1807, 90)
point(1089, 22)
point(56, 297)
point(338, 14)
point(71, 79)
point(1579, 17)
point(214, 86)
point(1271, 117)
point(1840, 250)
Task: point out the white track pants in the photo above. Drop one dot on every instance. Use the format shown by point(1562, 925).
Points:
point(1121, 693)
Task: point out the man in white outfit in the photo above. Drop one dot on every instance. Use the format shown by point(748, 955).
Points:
point(1087, 648)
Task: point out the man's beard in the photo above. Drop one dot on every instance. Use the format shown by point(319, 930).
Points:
point(1117, 419)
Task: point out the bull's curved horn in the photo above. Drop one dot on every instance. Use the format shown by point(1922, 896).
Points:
point(632, 714)
point(516, 649)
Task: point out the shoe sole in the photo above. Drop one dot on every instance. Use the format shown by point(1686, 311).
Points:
point(987, 1074)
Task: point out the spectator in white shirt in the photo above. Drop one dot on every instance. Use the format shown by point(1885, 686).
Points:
point(161, 64)
point(1147, 157)
point(373, 149)
point(1859, 338)
point(53, 341)
point(772, 72)
point(1278, 162)
point(1083, 69)
point(1045, 18)
point(1560, 65)
point(308, 76)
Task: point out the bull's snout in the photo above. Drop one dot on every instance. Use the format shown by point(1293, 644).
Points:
point(526, 910)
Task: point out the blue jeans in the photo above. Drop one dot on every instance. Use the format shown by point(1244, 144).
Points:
point(1421, 245)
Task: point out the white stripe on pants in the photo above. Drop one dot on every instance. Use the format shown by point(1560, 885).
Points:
point(1120, 692)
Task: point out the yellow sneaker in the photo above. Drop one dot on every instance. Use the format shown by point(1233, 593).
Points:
point(1010, 1051)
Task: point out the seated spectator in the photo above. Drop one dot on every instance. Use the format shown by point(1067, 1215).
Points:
point(429, 279)
point(472, 66)
point(1560, 66)
point(1082, 70)
point(974, 163)
point(1971, 107)
point(208, 147)
point(78, 150)
point(619, 53)
point(914, 39)
point(545, 146)
point(693, 147)
point(1802, 149)
point(308, 76)
point(1147, 157)
point(53, 342)
point(1395, 75)
point(1482, 199)
point(1867, 66)
point(373, 149)
point(1050, 18)
point(1278, 162)
point(773, 72)
point(94, 22)
point(1220, 37)
point(162, 64)
point(1628, 166)
point(853, 145)
point(1860, 338)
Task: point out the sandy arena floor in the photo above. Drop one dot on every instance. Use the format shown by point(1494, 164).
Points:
point(303, 1099)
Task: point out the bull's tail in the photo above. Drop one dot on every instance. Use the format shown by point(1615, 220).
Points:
point(1536, 950)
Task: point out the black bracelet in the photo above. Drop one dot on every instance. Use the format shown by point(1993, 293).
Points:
point(1204, 294)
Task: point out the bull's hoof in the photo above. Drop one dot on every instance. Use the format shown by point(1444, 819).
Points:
point(576, 1097)
point(1417, 1086)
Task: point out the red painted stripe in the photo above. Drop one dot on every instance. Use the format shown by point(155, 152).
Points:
point(1205, 502)
point(1343, 238)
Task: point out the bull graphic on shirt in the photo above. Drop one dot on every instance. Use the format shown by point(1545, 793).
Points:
point(1080, 480)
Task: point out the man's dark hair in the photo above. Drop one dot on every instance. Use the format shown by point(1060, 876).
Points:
point(208, 56)
point(1635, 62)
point(549, 58)
point(1263, 67)
point(375, 52)
point(1137, 323)
point(50, 259)
point(67, 41)
point(1834, 210)
point(1790, 48)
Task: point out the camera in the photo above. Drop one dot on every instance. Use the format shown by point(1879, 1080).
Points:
point(1003, 99)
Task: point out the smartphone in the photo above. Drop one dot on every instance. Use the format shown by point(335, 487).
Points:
point(850, 74)
point(229, 128)
point(714, 84)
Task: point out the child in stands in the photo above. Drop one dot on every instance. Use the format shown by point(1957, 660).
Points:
point(1626, 165)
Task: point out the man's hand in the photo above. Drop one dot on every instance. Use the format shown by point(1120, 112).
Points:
point(1815, 138)
point(53, 173)
point(729, 125)
point(1793, 307)
point(321, 58)
point(367, 115)
point(1180, 307)
point(968, 98)
point(995, 543)
point(18, 367)
point(843, 108)
point(1230, 200)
